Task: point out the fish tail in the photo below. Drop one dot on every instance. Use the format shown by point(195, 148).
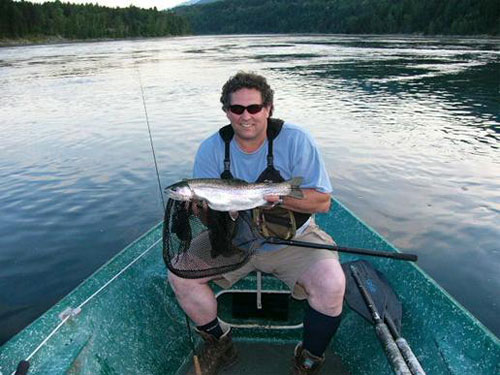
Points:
point(295, 191)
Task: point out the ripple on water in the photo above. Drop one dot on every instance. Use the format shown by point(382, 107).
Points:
point(408, 128)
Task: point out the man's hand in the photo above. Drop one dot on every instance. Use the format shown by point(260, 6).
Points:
point(273, 200)
point(313, 201)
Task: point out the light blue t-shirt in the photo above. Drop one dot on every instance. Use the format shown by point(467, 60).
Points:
point(295, 155)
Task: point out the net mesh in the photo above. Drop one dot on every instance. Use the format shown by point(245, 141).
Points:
point(200, 242)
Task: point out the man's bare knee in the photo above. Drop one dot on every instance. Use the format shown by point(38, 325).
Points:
point(183, 286)
point(324, 283)
point(195, 297)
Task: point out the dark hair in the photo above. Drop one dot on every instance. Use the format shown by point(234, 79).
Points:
point(244, 80)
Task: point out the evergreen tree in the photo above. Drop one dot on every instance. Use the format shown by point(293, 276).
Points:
point(25, 19)
point(464, 17)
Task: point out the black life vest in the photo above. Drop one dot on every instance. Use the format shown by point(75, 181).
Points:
point(278, 215)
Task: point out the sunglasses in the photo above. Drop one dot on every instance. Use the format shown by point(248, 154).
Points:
point(252, 108)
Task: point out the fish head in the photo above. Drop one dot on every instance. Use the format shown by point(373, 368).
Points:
point(180, 191)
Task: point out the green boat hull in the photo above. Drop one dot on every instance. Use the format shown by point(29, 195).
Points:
point(130, 323)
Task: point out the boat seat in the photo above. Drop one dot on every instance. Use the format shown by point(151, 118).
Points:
point(259, 301)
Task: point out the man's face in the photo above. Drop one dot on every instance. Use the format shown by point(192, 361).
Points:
point(248, 127)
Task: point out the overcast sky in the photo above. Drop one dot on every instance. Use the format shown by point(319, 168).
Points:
point(159, 4)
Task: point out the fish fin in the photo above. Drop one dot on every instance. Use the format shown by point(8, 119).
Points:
point(233, 215)
point(296, 181)
point(236, 181)
point(295, 191)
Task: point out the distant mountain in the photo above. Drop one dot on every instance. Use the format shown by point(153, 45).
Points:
point(196, 2)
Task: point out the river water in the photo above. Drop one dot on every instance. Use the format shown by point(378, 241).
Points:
point(409, 128)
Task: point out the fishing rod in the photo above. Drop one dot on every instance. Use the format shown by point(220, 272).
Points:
point(196, 361)
point(151, 140)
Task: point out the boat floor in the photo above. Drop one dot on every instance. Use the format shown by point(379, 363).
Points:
point(261, 358)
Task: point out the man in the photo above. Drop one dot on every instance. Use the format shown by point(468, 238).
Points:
point(241, 151)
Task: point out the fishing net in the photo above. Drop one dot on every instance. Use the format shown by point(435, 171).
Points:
point(200, 242)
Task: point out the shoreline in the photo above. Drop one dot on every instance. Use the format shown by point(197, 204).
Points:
point(41, 40)
point(36, 41)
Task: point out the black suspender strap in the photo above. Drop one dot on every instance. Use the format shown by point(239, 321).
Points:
point(273, 129)
point(226, 134)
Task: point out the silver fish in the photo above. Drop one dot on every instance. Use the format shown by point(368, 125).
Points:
point(232, 195)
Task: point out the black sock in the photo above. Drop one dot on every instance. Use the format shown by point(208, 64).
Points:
point(212, 328)
point(318, 330)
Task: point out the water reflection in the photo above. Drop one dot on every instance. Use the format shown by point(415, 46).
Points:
point(465, 92)
point(408, 128)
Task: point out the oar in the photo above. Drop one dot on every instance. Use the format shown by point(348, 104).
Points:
point(385, 301)
point(404, 348)
point(391, 349)
point(352, 250)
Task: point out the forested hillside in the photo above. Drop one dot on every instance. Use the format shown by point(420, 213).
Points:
point(24, 20)
point(461, 17)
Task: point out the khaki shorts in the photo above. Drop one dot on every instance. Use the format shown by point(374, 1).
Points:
point(287, 264)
